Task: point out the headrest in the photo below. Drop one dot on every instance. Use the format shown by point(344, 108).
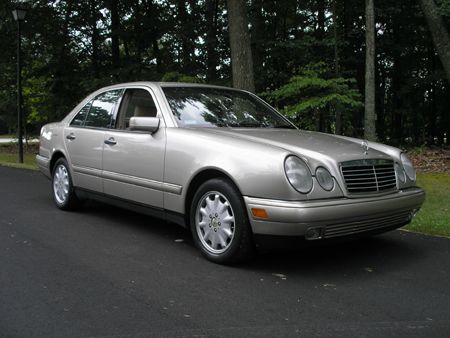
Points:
point(145, 111)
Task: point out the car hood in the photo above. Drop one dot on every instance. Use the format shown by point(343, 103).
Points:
point(312, 145)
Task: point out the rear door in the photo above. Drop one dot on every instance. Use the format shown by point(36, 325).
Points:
point(133, 161)
point(85, 136)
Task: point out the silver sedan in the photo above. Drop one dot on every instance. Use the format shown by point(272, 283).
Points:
point(225, 164)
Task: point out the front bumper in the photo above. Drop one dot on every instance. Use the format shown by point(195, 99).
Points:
point(335, 217)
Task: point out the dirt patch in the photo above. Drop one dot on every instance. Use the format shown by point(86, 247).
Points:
point(431, 160)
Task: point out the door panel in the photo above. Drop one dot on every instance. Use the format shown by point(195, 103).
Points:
point(133, 166)
point(85, 148)
point(85, 137)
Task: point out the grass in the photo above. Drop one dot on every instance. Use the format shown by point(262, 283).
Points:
point(434, 217)
point(11, 160)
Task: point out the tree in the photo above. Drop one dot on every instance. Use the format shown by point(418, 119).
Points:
point(115, 21)
point(211, 39)
point(439, 33)
point(369, 107)
point(308, 96)
point(241, 52)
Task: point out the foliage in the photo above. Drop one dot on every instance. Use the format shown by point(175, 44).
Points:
point(312, 91)
point(444, 7)
point(178, 77)
point(71, 48)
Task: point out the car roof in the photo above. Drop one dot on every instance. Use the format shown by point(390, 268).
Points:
point(165, 84)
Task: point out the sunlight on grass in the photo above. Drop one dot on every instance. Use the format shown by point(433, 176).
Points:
point(434, 217)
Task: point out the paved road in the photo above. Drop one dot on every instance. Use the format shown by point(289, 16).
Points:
point(106, 272)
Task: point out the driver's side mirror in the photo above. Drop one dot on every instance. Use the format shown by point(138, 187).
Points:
point(150, 124)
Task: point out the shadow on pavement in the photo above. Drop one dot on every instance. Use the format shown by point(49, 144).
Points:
point(388, 251)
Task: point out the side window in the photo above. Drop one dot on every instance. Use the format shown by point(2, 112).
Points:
point(102, 109)
point(79, 119)
point(98, 112)
point(136, 102)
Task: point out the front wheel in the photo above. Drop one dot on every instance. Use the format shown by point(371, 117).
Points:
point(62, 187)
point(219, 222)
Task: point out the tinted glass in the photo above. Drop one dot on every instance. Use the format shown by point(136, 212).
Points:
point(79, 119)
point(100, 114)
point(215, 107)
point(140, 104)
point(136, 102)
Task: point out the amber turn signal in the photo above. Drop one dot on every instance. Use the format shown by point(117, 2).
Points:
point(260, 213)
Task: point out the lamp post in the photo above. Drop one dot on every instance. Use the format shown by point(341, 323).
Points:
point(19, 15)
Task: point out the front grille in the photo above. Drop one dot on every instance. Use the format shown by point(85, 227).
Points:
point(369, 224)
point(369, 176)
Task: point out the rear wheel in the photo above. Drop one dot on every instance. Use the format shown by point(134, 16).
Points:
point(219, 222)
point(62, 187)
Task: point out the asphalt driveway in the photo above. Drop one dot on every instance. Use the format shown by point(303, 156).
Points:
point(107, 272)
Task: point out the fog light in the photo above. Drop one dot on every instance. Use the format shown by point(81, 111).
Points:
point(314, 233)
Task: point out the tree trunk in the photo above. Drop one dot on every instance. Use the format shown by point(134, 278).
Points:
point(431, 128)
point(396, 78)
point(320, 34)
point(439, 33)
point(337, 110)
point(258, 39)
point(369, 112)
point(211, 40)
point(114, 33)
point(241, 52)
point(187, 44)
point(157, 55)
point(94, 37)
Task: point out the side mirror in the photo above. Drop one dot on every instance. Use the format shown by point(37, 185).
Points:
point(150, 124)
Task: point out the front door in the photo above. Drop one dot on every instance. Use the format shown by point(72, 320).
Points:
point(133, 161)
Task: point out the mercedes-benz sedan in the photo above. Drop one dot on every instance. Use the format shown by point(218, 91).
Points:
point(225, 164)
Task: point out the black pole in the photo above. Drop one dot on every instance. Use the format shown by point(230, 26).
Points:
point(19, 94)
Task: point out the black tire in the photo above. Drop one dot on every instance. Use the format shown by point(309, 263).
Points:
point(61, 175)
point(239, 246)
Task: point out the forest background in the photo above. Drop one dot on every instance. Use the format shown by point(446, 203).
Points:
point(307, 58)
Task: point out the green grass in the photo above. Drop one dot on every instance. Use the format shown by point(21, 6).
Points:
point(11, 160)
point(434, 217)
point(8, 136)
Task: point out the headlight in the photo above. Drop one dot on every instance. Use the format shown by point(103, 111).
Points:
point(400, 173)
point(408, 166)
point(324, 178)
point(298, 174)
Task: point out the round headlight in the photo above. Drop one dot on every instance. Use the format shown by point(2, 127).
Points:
point(408, 166)
point(400, 173)
point(324, 178)
point(298, 174)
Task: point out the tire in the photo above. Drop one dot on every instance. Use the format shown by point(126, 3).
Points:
point(219, 223)
point(62, 187)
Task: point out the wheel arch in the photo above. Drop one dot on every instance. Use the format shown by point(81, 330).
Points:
point(55, 157)
point(200, 178)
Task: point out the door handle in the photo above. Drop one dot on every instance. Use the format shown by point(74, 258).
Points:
point(111, 141)
point(71, 136)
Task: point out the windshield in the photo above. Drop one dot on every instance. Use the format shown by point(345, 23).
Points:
point(216, 107)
